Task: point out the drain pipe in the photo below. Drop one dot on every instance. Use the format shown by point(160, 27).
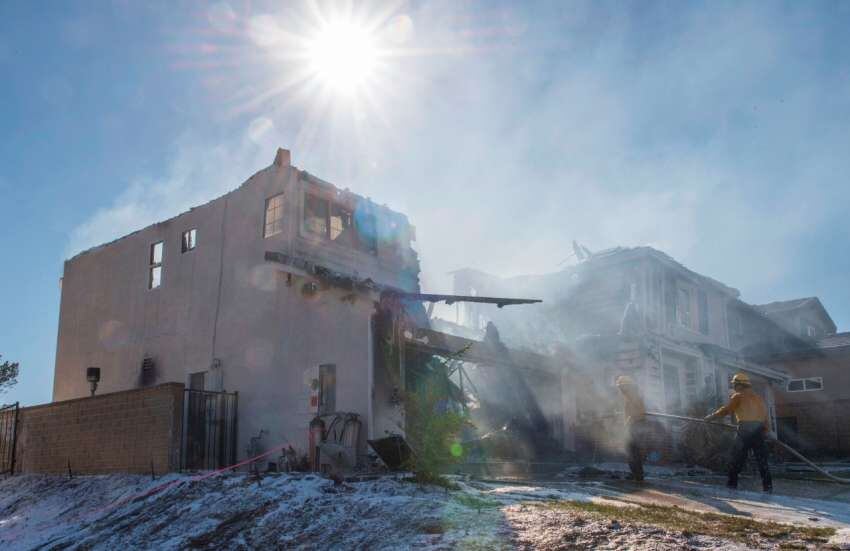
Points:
point(771, 438)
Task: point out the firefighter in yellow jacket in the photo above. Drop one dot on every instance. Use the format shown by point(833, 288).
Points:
point(751, 414)
point(635, 418)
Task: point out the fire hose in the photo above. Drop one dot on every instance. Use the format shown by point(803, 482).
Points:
point(771, 438)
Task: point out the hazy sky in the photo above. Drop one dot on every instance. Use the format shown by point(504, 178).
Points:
point(718, 132)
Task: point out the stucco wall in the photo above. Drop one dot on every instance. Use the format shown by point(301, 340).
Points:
point(224, 301)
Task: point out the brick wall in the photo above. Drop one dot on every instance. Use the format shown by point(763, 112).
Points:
point(108, 433)
point(822, 428)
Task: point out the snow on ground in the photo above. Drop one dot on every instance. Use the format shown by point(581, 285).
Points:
point(234, 511)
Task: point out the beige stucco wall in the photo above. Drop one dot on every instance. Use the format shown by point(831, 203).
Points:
point(268, 334)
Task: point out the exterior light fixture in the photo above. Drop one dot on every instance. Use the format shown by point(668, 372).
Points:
point(93, 377)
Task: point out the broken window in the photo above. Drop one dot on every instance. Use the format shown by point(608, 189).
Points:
point(274, 216)
point(367, 232)
point(190, 239)
point(316, 215)
point(155, 266)
point(340, 224)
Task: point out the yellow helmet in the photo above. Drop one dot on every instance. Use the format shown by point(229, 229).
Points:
point(741, 379)
point(625, 380)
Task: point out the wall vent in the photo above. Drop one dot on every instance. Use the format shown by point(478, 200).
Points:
point(148, 375)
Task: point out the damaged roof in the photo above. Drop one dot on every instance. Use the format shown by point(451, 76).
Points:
point(783, 306)
point(622, 254)
point(838, 340)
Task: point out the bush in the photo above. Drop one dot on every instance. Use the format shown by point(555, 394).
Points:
point(705, 445)
point(434, 423)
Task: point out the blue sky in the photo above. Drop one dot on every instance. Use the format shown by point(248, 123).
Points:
point(715, 131)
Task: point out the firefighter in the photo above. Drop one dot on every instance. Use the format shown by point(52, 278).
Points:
point(751, 415)
point(635, 418)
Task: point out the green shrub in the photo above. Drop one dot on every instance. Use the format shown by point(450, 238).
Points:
point(434, 423)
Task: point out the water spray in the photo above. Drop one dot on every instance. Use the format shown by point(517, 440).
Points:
point(771, 438)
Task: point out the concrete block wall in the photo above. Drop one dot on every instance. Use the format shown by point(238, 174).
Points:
point(109, 433)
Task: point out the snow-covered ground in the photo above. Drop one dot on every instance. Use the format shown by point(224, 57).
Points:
point(234, 511)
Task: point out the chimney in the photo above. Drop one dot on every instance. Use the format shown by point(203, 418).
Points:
point(283, 157)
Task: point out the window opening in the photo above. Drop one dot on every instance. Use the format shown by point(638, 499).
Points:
point(155, 266)
point(316, 215)
point(683, 307)
point(190, 239)
point(273, 223)
point(804, 385)
point(702, 298)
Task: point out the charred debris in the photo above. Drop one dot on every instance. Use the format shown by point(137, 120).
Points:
point(496, 385)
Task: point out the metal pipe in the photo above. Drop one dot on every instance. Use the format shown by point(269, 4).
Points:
point(771, 438)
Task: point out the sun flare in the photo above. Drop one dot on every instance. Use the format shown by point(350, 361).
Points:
point(344, 56)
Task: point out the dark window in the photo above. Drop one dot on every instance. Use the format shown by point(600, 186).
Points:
point(814, 383)
point(190, 239)
point(155, 266)
point(327, 388)
point(703, 311)
point(340, 224)
point(316, 215)
point(795, 385)
point(273, 223)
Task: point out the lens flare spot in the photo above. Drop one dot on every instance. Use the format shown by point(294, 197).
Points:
point(456, 449)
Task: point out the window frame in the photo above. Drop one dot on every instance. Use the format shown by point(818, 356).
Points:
point(154, 265)
point(805, 383)
point(687, 305)
point(359, 241)
point(276, 223)
point(187, 247)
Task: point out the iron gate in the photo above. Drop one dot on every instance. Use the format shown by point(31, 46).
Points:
point(209, 429)
point(8, 437)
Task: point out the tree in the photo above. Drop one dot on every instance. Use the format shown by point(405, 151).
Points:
point(8, 375)
point(435, 420)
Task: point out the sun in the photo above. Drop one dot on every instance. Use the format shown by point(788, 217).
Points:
point(343, 56)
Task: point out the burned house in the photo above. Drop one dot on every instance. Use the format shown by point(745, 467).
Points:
point(798, 337)
point(291, 311)
point(633, 311)
point(269, 291)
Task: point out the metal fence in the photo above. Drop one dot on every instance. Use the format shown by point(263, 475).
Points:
point(209, 429)
point(8, 437)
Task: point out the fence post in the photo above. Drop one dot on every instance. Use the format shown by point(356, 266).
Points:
point(14, 439)
point(235, 427)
